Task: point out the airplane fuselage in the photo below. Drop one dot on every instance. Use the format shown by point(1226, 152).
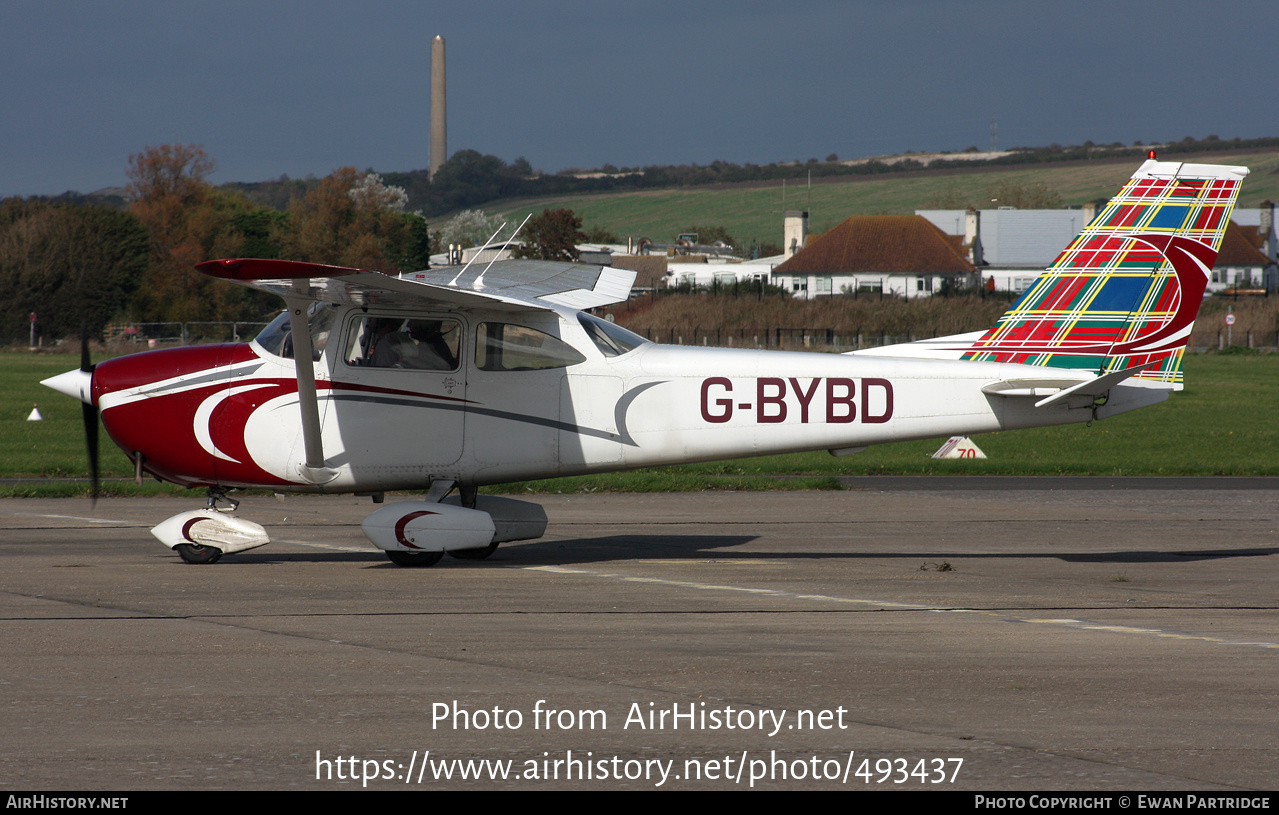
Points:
point(227, 415)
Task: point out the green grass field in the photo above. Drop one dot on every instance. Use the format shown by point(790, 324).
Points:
point(751, 212)
point(1222, 424)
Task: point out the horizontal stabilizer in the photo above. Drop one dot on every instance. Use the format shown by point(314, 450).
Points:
point(1051, 390)
point(1097, 387)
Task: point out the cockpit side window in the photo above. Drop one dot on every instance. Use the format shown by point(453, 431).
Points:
point(511, 347)
point(423, 344)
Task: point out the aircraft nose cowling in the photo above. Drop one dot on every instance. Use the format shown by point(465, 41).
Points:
point(77, 384)
point(176, 408)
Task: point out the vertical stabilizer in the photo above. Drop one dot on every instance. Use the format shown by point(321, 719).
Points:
point(1127, 290)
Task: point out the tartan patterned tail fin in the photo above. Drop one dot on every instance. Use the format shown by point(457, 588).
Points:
point(1127, 290)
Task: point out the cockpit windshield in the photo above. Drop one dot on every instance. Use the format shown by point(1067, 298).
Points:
point(610, 338)
point(276, 338)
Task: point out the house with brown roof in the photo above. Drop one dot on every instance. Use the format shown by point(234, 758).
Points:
point(1241, 261)
point(650, 270)
point(898, 255)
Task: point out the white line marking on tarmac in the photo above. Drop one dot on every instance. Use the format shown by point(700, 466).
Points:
point(80, 518)
point(1085, 625)
point(1080, 625)
point(716, 587)
point(333, 547)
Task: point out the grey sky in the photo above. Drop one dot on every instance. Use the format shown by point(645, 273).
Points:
point(303, 87)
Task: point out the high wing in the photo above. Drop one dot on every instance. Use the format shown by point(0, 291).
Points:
point(516, 285)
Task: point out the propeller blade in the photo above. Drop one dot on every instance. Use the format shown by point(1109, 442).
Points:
point(89, 413)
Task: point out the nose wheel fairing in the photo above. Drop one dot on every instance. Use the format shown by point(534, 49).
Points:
point(208, 529)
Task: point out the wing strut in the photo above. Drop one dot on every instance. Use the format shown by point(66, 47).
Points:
point(313, 470)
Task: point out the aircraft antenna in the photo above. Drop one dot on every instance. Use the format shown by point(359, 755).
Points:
point(479, 281)
point(453, 282)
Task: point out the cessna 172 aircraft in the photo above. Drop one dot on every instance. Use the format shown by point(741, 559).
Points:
point(456, 378)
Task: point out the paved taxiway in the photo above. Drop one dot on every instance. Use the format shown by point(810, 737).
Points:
point(1086, 638)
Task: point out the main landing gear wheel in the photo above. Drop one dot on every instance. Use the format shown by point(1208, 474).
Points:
point(414, 559)
point(474, 554)
point(198, 553)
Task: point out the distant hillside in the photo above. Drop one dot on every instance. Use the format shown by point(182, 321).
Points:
point(471, 180)
point(753, 211)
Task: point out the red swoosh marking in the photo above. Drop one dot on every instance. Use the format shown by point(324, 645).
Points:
point(1191, 261)
point(186, 528)
point(403, 522)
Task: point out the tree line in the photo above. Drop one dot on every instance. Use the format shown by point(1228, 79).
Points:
point(76, 262)
point(80, 266)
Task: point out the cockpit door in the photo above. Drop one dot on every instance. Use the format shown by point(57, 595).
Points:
point(398, 393)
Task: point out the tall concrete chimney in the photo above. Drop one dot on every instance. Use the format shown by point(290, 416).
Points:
point(1266, 227)
point(794, 232)
point(1090, 211)
point(439, 126)
point(972, 237)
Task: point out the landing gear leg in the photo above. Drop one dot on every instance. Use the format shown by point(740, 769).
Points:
point(216, 495)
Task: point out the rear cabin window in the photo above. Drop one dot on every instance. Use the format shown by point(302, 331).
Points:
point(511, 347)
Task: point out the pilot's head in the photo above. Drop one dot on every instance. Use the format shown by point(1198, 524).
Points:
point(422, 330)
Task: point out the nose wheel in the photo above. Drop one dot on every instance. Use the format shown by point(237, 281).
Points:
point(414, 560)
point(197, 553)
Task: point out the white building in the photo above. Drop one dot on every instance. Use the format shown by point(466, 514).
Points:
point(1012, 246)
point(898, 255)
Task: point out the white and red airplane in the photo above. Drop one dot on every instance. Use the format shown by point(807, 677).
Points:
point(452, 379)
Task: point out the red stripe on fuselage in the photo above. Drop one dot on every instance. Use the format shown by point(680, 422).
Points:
point(162, 426)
